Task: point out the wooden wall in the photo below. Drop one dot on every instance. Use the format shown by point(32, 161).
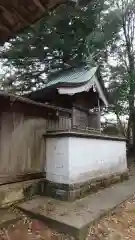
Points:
point(80, 118)
point(85, 119)
point(94, 120)
point(22, 145)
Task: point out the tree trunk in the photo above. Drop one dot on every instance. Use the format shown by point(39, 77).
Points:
point(133, 134)
point(128, 136)
point(131, 144)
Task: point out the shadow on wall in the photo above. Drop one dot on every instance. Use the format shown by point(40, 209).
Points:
point(22, 145)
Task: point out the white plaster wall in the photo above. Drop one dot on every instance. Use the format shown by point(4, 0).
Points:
point(90, 158)
point(75, 159)
point(57, 159)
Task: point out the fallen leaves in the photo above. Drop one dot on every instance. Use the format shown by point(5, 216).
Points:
point(118, 225)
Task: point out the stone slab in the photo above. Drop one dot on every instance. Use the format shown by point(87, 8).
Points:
point(8, 217)
point(75, 217)
point(82, 133)
point(13, 192)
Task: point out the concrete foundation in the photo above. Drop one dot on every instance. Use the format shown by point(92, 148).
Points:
point(78, 163)
point(71, 192)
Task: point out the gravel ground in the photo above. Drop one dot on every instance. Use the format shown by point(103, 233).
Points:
point(118, 225)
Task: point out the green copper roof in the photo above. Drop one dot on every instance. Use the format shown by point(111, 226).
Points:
point(74, 76)
point(70, 82)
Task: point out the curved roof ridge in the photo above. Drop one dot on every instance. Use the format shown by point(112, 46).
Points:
point(75, 76)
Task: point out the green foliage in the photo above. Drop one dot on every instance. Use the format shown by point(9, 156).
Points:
point(121, 64)
point(67, 37)
point(56, 42)
point(102, 31)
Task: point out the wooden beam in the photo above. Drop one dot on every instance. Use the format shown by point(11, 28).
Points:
point(39, 5)
point(15, 16)
point(21, 17)
point(7, 14)
point(5, 28)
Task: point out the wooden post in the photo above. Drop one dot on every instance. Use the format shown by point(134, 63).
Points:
point(99, 112)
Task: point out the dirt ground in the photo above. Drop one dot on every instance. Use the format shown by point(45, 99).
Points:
point(118, 225)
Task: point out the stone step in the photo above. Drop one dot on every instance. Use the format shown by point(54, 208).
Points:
point(14, 192)
point(74, 218)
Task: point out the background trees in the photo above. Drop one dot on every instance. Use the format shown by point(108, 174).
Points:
point(56, 42)
point(102, 32)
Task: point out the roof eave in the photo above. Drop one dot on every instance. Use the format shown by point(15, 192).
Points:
point(16, 15)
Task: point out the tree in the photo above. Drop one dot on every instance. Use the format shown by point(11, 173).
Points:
point(103, 31)
point(58, 41)
point(122, 68)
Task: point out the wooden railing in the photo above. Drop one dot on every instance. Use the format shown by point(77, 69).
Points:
point(66, 124)
point(62, 123)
